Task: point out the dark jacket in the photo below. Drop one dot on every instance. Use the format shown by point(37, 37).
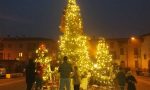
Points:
point(30, 72)
point(131, 82)
point(121, 78)
point(65, 69)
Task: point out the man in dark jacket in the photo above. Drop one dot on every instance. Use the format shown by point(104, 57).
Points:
point(65, 70)
point(121, 78)
point(30, 74)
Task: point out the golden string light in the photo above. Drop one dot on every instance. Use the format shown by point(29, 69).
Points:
point(44, 60)
point(103, 70)
point(73, 43)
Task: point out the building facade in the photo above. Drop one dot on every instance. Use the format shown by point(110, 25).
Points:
point(133, 53)
point(145, 52)
point(129, 52)
point(20, 48)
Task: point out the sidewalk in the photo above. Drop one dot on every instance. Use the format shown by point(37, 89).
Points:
point(143, 79)
point(11, 80)
point(14, 75)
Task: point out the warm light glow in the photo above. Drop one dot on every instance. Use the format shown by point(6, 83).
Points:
point(132, 38)
point(103, 71)
point(71, 19)
point(72, 1)
point(95, 65)
point(73, 43)
point(44, 60)
point(20, 54)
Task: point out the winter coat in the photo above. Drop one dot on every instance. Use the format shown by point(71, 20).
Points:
point(121, 78)
point(131, 81)
point(30, 72)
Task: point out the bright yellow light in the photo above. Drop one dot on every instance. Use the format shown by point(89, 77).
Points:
point(73, 43)
point(95, 65)
point(103, 74)
point(44, 60)
point(20, 54)
point(132, 38)
point(72, 1)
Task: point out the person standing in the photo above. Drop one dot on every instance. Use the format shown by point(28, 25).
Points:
point(76, 79)
point(38, 76)
point(131, 81)
point(65, 70)
point(30, 74)
point(121, 78)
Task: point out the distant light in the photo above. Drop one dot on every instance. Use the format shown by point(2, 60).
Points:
point(132, 38)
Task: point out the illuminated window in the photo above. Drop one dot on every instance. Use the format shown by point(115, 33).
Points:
point(20, 54)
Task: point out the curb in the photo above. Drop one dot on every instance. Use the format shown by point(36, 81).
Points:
point(13, 75)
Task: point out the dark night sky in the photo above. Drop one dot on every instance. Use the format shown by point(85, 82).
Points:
point(108, 18)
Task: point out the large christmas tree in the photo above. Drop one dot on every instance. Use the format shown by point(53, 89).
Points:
point(103, 68)
point(73, 43)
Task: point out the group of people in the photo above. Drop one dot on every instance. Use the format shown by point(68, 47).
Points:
point(124, 78)
point(33, 74)
point(66, 70)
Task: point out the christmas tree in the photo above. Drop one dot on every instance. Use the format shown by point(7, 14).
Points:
point(73, 43)
point(103, 68)
point(71, 20)
point(44, 60)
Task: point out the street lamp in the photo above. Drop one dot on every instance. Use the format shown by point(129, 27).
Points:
point(134, 44)
point(133, 38)
point(129, 42)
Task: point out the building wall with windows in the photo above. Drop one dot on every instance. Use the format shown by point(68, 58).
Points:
point(19, 48)
point(118, 50)
point(127, 52)
point(134, 52)
point(145, 52)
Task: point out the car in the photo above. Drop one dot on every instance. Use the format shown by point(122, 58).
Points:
point(2, 71)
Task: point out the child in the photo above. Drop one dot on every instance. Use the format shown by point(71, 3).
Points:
point(76, 79)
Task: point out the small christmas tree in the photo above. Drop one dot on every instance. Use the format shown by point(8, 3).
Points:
point(44, 60)
point(103, 68)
